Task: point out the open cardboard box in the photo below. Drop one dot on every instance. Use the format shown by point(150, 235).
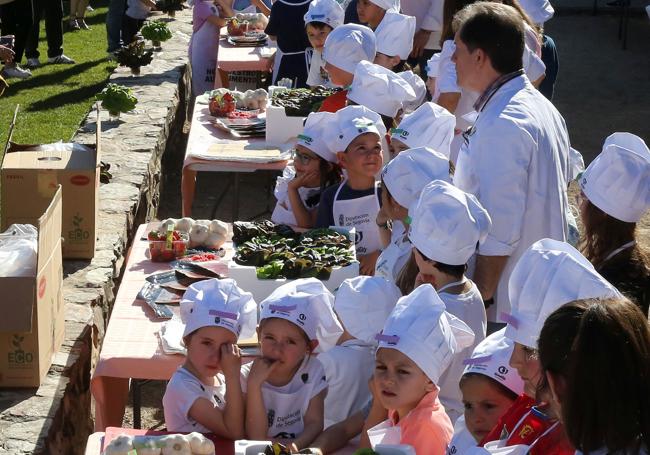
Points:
point(30, 178)
point(32, 324)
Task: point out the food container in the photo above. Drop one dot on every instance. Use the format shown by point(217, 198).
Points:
point(281, 128)
point(159, 251)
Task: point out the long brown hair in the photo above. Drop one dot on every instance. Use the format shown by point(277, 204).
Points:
point(603, 233)
point(601, 349)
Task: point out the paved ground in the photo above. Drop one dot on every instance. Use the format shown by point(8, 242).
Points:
point(601, 89)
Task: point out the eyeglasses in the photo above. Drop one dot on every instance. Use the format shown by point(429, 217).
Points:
point(302, 158)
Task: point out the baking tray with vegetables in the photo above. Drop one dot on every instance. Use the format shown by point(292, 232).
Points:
point(300, 102)
point(266, 255)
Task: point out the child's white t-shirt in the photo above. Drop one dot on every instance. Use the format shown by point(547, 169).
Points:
point(469, 308)
point(182, 391)
point(317, 74)
point(136, 9)
point(462, 440)
point(286, 405)
point(348, 368)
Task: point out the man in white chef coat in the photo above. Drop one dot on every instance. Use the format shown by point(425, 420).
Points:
point(514, 158)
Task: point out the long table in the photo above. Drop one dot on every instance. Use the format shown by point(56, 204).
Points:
point(202, 136)
point(233, 58)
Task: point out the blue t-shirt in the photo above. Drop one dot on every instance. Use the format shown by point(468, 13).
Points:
point(325, 217)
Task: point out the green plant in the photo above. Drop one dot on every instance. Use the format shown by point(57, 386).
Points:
point(134, 55)
point(156, 31)
point(117, 98)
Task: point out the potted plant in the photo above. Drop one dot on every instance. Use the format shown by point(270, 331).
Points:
point(156, 31)
point(134, 56)
point(169, 6)
point(116, 98)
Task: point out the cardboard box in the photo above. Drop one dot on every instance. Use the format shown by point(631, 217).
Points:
point(281, 128)
point(30, 178)
point(246, 276)
point(32, 324)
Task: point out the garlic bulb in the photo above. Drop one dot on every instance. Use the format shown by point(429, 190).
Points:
point(200, 444)
point(184, 224)
point(198, 235)
point(219, 227)
point(214, 240)
point(175, 444)
point(122, 445)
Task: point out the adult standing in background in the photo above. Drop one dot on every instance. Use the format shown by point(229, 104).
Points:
point(116, 9)
point(16, 16)
point(515, 157)
point(428, 29)
point(53, 11)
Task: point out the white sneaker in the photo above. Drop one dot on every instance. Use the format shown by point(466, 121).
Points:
point(33, 62)
point(61, 59)
point(16, 72)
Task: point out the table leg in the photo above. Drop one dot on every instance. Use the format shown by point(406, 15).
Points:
point(111, 396)
point(235, 197)
point(188, 186)
point(137, 403)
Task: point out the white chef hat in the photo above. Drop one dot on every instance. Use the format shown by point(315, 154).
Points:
point(447, 223)
point(354, 121)
point(418, 86)
point(491, 357)
point(618, 180)
point(219, 303)
point(315, 134)
point(429, 125)
point(433, 65)
point(395, 34)
point(379, 89)
point(406, 175)
point(538, 10)
point(327, 11)
point(421, 329)
point(307, 303)
point(549, 274)
point(388, 5)
point(363, 304)
point(349, 44)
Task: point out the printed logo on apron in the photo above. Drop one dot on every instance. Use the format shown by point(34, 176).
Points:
point(361, 214)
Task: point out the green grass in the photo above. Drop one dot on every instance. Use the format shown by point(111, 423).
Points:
point(55, 100)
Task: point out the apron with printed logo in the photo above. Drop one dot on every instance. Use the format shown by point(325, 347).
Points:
point(285, 411)
point(361, 214)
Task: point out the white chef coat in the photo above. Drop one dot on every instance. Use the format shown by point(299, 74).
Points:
point(462, 439)
point(287, 405)
point(395, 256)
point(348, 368)
point(469, 308)
point(283, 212)
point(515, 162)
point(428, 16)
point(182, 391)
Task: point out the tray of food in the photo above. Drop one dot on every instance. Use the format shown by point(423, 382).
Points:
point(248, 39)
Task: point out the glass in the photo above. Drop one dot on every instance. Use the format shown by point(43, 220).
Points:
point(302, 158)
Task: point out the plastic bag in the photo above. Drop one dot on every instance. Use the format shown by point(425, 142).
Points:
point(18, 251)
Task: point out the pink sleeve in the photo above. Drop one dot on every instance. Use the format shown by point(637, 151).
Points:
point(427, 435)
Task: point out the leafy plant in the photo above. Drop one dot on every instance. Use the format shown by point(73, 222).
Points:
point(117, 98)
point(134, 55)
point(156, 31)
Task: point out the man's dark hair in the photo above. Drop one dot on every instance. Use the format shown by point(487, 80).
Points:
point(496, 29)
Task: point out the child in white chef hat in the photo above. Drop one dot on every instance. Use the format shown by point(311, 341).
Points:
point(362, 305)
point(394, 40)
point(420, 89)
point(285, 388)
point(615, 194)
point(321, 18)
point(380, 90)
point(402, 181)
point(344, 48)
point(447, 225)
point(372, 12)
point(356, 201)
point(314, 169)
point(416, 346)
point(489, 386)
point(428, 126)
point(204, 394)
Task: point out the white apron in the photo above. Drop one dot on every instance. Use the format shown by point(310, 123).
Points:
point(395, 255)
point(385, 433)
point(282, 213)
point(360, 213)
point(284, 412)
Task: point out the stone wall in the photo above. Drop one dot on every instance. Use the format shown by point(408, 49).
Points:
point(57, 418)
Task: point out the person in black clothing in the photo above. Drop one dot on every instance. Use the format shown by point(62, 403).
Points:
point(53, 11)
point(16, 17)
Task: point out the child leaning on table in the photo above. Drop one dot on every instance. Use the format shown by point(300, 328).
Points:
point(322, 17)
point(416, 345)
point(208, 16)
point(285, 388)
point(314, 168)
point(204, 394)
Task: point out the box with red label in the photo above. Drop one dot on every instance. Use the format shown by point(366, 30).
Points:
point(32, 323)
point(30, 176)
